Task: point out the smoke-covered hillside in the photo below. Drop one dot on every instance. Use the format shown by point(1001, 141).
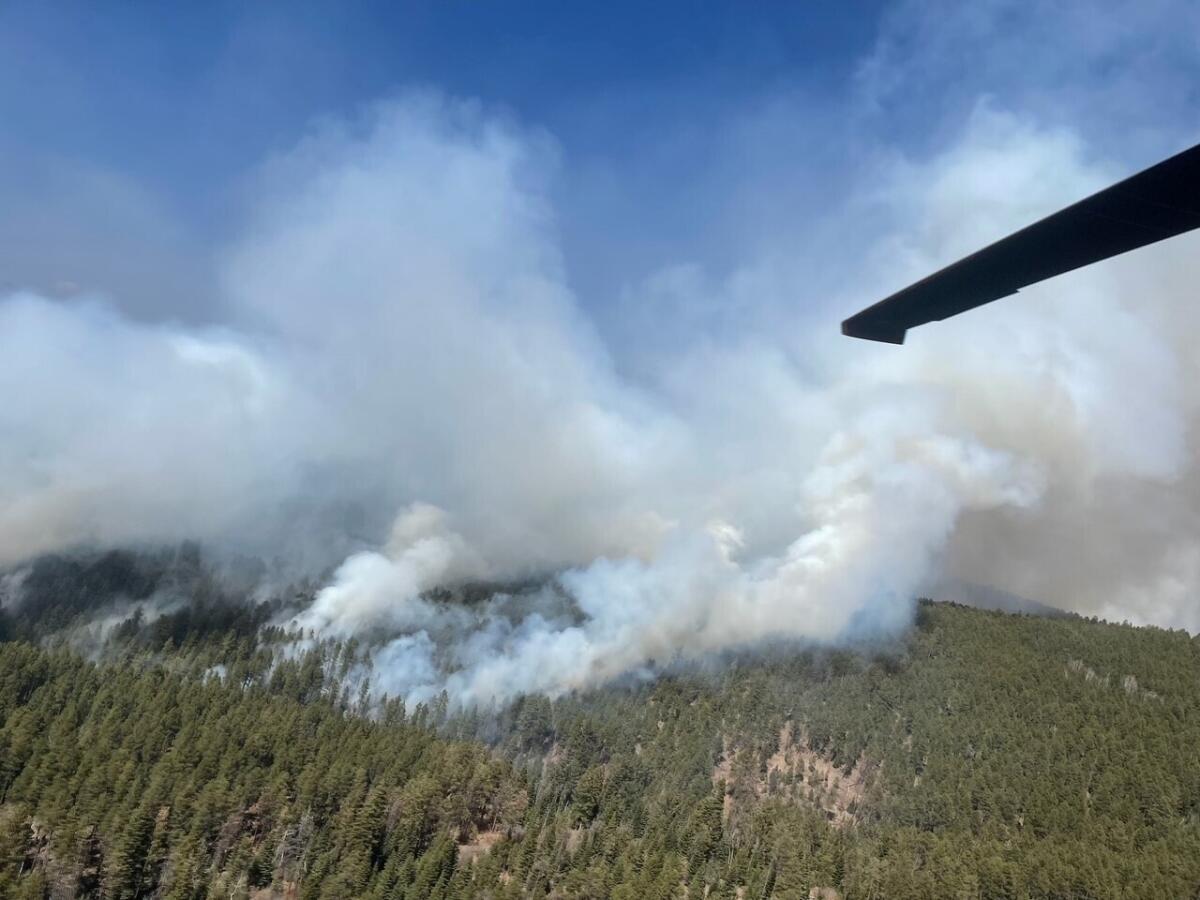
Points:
point(482, 643)
point(983, 755)
point(397, 372)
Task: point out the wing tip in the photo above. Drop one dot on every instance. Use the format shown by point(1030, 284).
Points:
point(882, 332)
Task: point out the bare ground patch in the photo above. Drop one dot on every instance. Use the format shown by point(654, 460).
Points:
point(797, 772)
point(481, 846)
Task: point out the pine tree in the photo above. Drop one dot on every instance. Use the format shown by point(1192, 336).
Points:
point(129, 860)
point(587, 796)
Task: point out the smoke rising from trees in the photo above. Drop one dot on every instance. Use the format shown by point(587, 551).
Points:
point(406, 382)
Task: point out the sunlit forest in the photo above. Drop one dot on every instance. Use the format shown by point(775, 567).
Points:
point(979, 755)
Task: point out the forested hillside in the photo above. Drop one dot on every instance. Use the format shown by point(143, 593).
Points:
point(983, 755)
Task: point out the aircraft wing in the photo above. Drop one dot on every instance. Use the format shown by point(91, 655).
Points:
point(1157, 203)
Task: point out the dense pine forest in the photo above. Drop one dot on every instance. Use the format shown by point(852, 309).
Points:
point(979, 755)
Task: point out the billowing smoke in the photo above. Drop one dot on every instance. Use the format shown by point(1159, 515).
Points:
point(404, 380)
point(883, 497)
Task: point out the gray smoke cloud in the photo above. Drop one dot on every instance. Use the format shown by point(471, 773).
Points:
point(403, 345)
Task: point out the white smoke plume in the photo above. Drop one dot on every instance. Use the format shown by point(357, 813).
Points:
point(402, 343)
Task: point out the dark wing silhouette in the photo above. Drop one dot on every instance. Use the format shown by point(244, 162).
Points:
point(1158, 203)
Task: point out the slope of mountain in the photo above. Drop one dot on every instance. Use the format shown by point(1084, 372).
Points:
point(984, 755)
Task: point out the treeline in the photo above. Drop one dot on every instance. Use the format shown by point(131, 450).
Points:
point(984, 756)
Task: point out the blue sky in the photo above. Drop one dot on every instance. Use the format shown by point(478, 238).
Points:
point(212, 87)
point(683, 129)
point(182, 102)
